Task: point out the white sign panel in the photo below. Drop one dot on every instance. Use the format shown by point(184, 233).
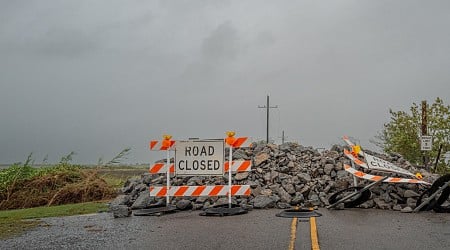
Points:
point(382, 165)
point(426, 143)
point(195, 158)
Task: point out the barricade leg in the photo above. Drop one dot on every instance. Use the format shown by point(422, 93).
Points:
point(431, 197)
point(356, 193)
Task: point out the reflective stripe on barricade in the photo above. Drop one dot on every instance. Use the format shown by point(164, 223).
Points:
point(158, 145)
point(370, 177)
point(161, 168)
point(238, 166)
point(241, 142)
point(355, 159)
point(351, 144)
point(219, 190)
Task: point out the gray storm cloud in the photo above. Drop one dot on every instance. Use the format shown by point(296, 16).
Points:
point(96, 77)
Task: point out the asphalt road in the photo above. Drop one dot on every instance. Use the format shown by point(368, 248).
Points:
point(259, 229)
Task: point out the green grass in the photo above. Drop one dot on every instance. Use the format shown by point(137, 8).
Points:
point(14, 222)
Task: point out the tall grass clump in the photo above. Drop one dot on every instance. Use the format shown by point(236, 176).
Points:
point(16, 173)
point(24, 186)
point(19, 172)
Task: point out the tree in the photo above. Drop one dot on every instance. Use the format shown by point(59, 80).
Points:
point(402, 133)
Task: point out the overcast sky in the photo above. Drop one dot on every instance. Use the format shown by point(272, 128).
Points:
point(96, 77)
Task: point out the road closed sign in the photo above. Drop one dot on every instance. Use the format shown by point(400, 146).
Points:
point(199, 158)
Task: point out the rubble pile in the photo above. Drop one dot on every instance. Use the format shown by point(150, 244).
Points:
point(282, 176)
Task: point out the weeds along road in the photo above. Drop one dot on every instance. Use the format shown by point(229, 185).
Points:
point(259, 229)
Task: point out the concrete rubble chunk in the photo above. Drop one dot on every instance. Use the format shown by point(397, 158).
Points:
point(284, 196)
point(263, 201)
point(381, 203)
point(410, 193)
point(260, 158)
point(241, 176)
point(184, 204)
point(120, 211)
point(304, 177)
point(406, 210)
point(144, 200)
point(121, 200)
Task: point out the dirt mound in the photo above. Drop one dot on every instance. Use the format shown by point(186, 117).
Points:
point(57, 188)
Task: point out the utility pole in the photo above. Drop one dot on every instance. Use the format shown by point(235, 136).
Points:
point(283, 137)
point(267, 107)
point(424, 128)
point(424, 118)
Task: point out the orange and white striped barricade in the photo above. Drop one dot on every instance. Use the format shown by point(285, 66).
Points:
point(156, 145)
point(351, 144)
point(238, 166)
point(196, 191)
point(163, 145)
point(378, 179)
point(370, 177)
point(372, 163)
point(233, 142)
point(161, 168)
point(356, 150)
point(239, 142)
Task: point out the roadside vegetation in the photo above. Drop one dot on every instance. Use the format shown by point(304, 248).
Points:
point(403, 132)
point(24, 186)
point(29, 192)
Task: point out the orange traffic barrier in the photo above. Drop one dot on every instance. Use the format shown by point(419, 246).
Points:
point(161, 145)
point(238, 166)
point(219, 190)
point(370, 177)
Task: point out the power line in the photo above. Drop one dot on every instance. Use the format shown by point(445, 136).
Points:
point(267, 107)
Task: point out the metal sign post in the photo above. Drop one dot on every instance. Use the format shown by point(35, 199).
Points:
point(166, 144)
point(229, 177)
point(230, 140)
point(355, 180)
point(168, 178)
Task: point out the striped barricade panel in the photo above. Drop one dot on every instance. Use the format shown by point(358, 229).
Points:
point(351, 144)
point(220, 190)
point(355, 159)
point(241, 142)
point(370, 177)
point(158, 145)
point(161, 168)
point(386, 167)
point(238, 166)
